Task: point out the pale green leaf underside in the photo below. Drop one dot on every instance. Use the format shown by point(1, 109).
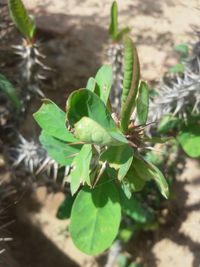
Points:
point(58, 150)
point(90, 132)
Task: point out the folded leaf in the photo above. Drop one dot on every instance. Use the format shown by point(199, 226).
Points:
point(130, 82)
point(84, 103)
point(90, 132)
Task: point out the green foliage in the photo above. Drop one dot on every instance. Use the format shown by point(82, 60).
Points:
point(59, 150)
point(168, 123)
point(189, 138)
point(92, 122)
point(143, 103)
point(52, 119)
point(95, 218)
point(114, 32)
point(178, 68)
point(64, 210)
point(101, 151)
point(7, 88)
point(81, 168)
point(183, 49)
point(22, 20)
point(130, 82)
point(119, 158)
point(104, 82)
point(134, 209)
point(101, 158)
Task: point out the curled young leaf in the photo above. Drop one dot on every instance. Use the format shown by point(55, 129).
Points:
point(21, 18)
point(90, 132)
point(130, 82)
point(84, 106)
point(113, 28)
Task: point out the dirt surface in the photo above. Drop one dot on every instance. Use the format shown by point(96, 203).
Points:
point(74, 38)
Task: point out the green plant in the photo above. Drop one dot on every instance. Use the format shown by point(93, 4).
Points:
point(183, 51)
point(103, 150)
point(175, 107)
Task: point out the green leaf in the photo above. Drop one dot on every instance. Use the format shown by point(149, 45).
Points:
point(121, 33)
point(88, 131)
point(178, 68)
point(81, 168)
point(21, 18)
point(62, 152)
point(183, 49)
point(142, 169)
point(84, 103)
point(133, 181)
point(119, 158)
point(64, 210)
point(52, 120)
point(133, 208)
point(156, 139)
point(168, 123)
point(122, 260)
point(91, 84)
point(113, 28)
point(189, 139)
point(104, 82)
point(130, 82)
point(9, 90)
point(95, 218)
point(143, 103)
point(147, 171)
point(160, 180)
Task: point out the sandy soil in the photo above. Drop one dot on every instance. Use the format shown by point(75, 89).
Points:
point(74, 37)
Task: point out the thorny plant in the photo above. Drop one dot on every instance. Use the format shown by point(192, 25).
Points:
point(103, 149)
point(27, 154)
